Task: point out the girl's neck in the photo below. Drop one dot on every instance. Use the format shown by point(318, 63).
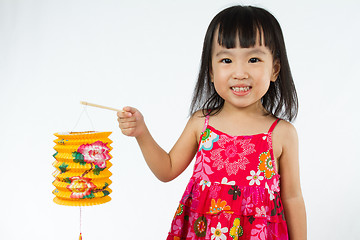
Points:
point(255, 110)
point(242, 121)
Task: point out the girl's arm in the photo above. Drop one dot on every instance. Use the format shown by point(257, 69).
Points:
point(165, 166)
point(291, 195)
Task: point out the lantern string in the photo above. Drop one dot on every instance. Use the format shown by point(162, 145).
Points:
point(80, 237)
point(87, 114)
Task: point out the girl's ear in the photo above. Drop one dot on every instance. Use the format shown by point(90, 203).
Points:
point(276, 70)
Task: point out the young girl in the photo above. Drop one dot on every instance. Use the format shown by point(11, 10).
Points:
point(241, 145)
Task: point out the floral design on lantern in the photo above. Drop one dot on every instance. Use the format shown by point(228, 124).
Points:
point(81, 187)
point(96, 153)
point(82, 168)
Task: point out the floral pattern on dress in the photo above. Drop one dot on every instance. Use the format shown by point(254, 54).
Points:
point(218, 206)
point(254, 178)
point(232, 154)
point(262, 212)
point(177, 226)
point(207, 140)
point(259, 232)
point(218, 233)
point(200, 226)
point(214, 191)
point(204, 183)
point(202, 170)
point(266, 164)
point(236, 231)
point(234, 192)
point(179, 210)
point(247, 206)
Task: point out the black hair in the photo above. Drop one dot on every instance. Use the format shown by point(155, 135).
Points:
point(243, 24)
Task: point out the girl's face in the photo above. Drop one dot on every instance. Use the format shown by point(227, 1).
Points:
point(242, 76)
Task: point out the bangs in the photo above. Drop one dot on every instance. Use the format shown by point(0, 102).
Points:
point(246, 27)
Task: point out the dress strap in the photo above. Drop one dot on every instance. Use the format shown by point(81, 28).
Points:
point(206, 122)
point(274, 125)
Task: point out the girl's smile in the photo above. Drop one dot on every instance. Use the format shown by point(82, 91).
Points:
point(241, 90)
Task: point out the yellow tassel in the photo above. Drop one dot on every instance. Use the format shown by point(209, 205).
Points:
point(80, 237)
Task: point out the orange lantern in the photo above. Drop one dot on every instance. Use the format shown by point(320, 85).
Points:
point(82, 168)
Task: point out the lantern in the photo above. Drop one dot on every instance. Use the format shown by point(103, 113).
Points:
point(82, 168)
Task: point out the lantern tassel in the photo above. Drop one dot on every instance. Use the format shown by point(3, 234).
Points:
point(80, 237)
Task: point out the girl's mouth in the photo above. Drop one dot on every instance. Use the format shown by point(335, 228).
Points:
point(240, 89)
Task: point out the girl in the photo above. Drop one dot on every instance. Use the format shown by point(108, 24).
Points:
point(241, 145)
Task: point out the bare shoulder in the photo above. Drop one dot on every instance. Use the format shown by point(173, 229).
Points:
point(196, 123)
point(284, 138)
point(285, 129)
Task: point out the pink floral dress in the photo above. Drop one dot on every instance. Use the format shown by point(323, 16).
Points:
point(234, 192)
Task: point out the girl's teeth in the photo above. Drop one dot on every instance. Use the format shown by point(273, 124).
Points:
point(241, 89)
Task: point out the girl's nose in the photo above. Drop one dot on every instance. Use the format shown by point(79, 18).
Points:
point(240, 73)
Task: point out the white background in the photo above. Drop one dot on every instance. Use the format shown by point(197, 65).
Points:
point(53, 54)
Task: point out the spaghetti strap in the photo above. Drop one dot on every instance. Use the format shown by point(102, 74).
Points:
point(206, 122)
point(273, 125)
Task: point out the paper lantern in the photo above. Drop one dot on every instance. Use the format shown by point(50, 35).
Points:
point(82, 168)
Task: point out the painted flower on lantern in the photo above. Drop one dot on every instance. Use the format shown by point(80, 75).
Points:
point(81, 187)
point(97, 153)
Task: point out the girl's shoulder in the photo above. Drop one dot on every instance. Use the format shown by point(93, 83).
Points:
point(197, 119)
point(197, 122)
point(285, 128)
point(285, 133)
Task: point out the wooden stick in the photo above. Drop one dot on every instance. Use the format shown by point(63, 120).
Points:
point(99, 106)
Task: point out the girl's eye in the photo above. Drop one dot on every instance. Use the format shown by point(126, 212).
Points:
point(254, 60)
point(226, 60)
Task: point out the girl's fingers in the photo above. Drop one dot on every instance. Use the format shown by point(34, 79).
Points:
point(126, 119)
point(127, 125)
point(128, 132)
point(130, 109)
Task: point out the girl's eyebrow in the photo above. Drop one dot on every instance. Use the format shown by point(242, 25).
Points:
point(223, 52)
point(251, 51)
point(257, 51)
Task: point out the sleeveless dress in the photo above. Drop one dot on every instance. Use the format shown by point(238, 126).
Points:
point(234, 192)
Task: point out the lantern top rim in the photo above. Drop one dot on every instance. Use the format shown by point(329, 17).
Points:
point(84, 134)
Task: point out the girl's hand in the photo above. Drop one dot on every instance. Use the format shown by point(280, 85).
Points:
point(131, 122)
